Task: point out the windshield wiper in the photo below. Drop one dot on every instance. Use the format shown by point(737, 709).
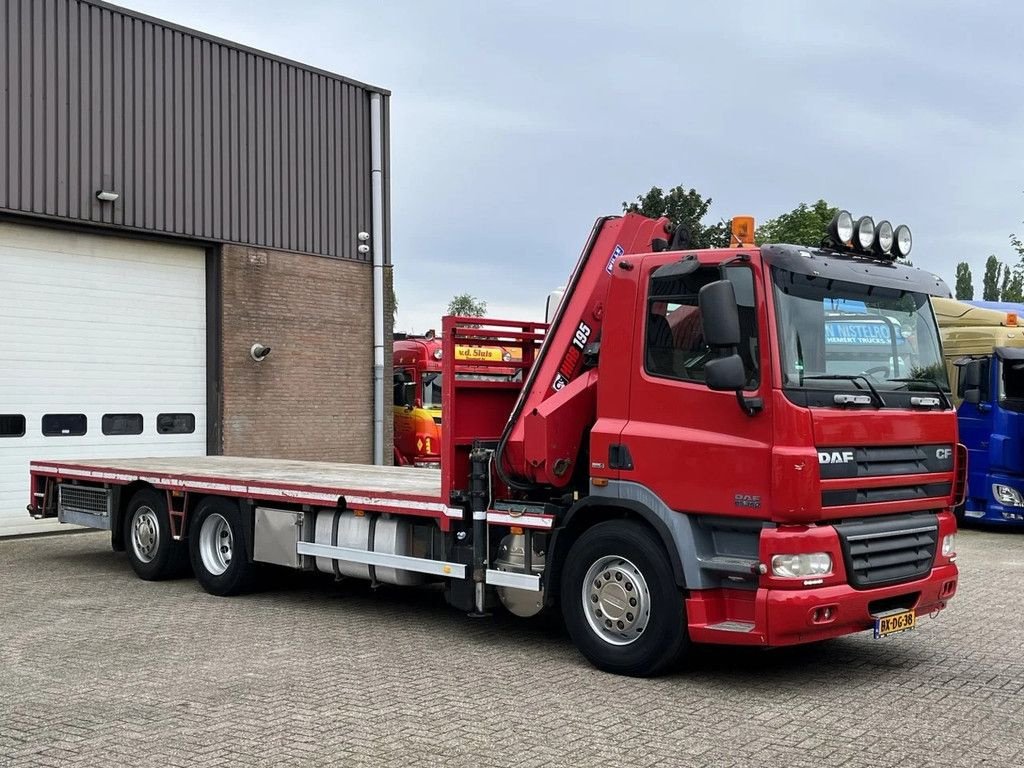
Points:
point(848, 377)
point(938, 388)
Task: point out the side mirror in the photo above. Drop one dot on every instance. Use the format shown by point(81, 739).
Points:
point(719, 315)
point(720, 324)
point(725, 373)
point(971, 375)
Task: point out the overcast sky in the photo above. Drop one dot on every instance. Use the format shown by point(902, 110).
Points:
point(516, 124)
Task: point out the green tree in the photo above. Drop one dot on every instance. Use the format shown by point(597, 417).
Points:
point(990, 282)
point(467, 305)
point(1005, 285)
point(1013, 289)
point(686, 210)
point(804, 225)
point(964, 284)
point(1016, 287)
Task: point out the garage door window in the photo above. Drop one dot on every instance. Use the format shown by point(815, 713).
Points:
point(122, 424)
point(176, 423)
point(12, 425)
point(65, 424)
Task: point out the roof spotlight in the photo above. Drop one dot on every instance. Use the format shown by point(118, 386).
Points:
point(903, 241)
point(864, 232)
point(883, 237)
point(841, 228)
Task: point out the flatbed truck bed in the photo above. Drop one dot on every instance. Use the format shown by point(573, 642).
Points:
point(369, 488)
point(376, 522)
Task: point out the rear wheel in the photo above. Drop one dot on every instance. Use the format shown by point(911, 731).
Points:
point(219, 550)
point(152, 552)
point(620, 601)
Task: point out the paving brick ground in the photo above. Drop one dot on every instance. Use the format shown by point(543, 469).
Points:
point(99, 668)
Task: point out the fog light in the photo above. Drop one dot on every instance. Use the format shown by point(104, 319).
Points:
point(824, 614)
point(949, 545)
point(801, 566)
point(1007, 496)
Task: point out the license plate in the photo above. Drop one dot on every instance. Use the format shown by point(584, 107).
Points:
point(892, 623)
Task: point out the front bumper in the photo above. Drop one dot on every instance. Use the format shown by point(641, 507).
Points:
point(771, 617)
point(791, 614)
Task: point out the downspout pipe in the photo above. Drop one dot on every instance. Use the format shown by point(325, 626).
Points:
point(377, 235)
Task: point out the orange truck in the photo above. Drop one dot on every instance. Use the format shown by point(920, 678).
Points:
point(417, 407)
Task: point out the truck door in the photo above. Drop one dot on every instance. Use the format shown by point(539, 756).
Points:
point(695, 448)
point(975, 424)
point(405, 424)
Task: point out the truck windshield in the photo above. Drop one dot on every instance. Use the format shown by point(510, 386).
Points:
point(850, 331)
point(432, 389)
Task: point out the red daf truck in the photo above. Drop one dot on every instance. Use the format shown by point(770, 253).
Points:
point(679, 463)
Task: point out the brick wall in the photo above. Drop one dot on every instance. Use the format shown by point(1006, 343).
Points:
point(312, 398)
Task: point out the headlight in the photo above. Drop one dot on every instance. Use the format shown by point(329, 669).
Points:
point(437, 354)
point(1007, 496)
point(841, 228)
point(949, 545)
point(883, 237)
point(801, 566)
point(864, 232)
point(903, 241)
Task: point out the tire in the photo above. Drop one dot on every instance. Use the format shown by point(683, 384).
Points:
point(219, 550)
point(153, 554)
point(630, 563)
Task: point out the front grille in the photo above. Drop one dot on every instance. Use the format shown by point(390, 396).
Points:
point(889, 550)
point(84, 500)
point(846, 496)
point(877, 461)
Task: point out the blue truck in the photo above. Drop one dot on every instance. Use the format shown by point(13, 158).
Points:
point(983, 348)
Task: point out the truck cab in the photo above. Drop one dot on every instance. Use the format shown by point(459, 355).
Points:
point(984, 355)
point(798, 464)
point(418, 390)
point(417, 399)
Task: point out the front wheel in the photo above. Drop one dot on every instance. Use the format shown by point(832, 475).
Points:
point(620, 601)
point(218, 548)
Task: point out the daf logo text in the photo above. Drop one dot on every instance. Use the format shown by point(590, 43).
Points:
point(835, 457)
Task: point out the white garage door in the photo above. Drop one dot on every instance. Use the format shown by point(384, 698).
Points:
point(102, 354)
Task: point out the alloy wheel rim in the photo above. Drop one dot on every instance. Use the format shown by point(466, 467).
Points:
point(616, 600)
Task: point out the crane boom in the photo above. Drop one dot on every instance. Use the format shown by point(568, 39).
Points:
point(556, 406)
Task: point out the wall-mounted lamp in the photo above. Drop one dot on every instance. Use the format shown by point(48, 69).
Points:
point(258, 352)
point(107, 196)
point(363, 247)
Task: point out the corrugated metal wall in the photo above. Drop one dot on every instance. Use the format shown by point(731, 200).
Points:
point(199, 138)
